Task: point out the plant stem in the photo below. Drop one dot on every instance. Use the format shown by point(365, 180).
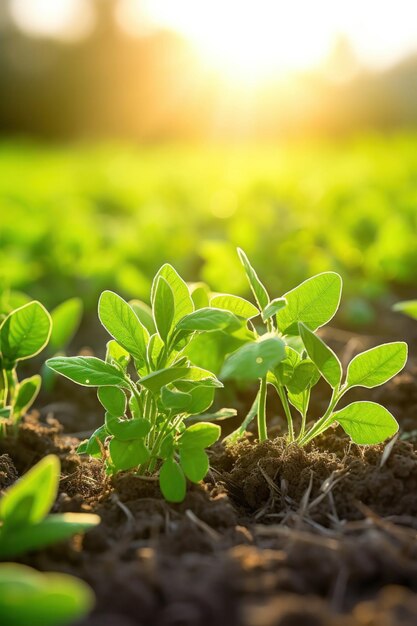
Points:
point(165, 431)
point(12, 383)
point(135, 392)
point(324, 422)
point(262, 429)
point(304, 415)
point(3, 388)
point(287, 411)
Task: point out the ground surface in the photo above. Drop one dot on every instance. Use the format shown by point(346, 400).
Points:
point(276, 536)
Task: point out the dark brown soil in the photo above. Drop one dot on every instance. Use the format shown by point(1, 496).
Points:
point(276, 536)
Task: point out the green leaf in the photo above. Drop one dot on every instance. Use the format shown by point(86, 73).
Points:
point(144, 314)
point(273, 307)
point(167, 447)
point(366, 422)
point(200, 294)
point(128, 454)
point(25, 332)
point(376, 366)
point(26, 395)
point(202, 376)
point(88, 371)
point(235, 304)
point(155, 347)
point(163, 308)
point(115, 352)
point(284, 371)
point(120, 320)
point(127, 430)
point(220, 415)
point(209, 319)
point(255, 359)
point(66, 318)
point(176, 400)
point(314, 303)
point(201, 435)
point(209, 350)
point(91, 446)
point(30, 597)
point(29, 500)
point(258, 290)
point(201, 399)
point(300, 400)
point(305, 376)
point(160, 378)
point(322, 356)
point(409, 307)
point(113, 400)
point(182, 298)
point(195, 463)
point(53, 528)
point(172, 481)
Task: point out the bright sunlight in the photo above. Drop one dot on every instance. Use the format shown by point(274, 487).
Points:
point(249, 40)
point(264, 38)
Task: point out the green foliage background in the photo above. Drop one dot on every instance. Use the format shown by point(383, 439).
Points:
point(80, 218)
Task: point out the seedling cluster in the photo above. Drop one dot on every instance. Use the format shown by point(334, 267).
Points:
point(154, 393)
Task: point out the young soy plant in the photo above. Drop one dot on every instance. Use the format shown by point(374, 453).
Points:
point(26, 596)
point(287, 354)
point(149, 388)
point(24, 332)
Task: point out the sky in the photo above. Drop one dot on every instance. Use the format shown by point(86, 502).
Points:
point(254, 38)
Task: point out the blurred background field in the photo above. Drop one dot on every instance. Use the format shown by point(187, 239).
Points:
point(134, 136)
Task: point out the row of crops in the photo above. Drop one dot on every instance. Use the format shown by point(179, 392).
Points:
point(86, 218)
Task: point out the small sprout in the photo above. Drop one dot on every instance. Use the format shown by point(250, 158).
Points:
point(24, 521)
point(31, 597)
point(24, 332)
point(290, 357)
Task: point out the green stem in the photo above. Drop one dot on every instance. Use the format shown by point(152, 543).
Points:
point(12, 383)
point(262, 429)
point(3, 388)
point(135, 391)
point(165, 431)
point(324, 422)
point(304, 415)
point(287, 411)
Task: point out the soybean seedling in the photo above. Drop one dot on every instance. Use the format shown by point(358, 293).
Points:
point(41, 599)
point(287, 354)
point(26, 596)
point(149, 388)
point(24, 332)
point(24, 507)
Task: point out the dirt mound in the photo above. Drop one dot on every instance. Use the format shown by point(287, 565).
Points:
point(327, 483)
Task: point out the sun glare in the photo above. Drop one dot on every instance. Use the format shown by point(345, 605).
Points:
point(249, 40)
point(255, 40)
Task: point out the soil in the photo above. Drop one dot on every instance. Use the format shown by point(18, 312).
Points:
point(275, 536)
